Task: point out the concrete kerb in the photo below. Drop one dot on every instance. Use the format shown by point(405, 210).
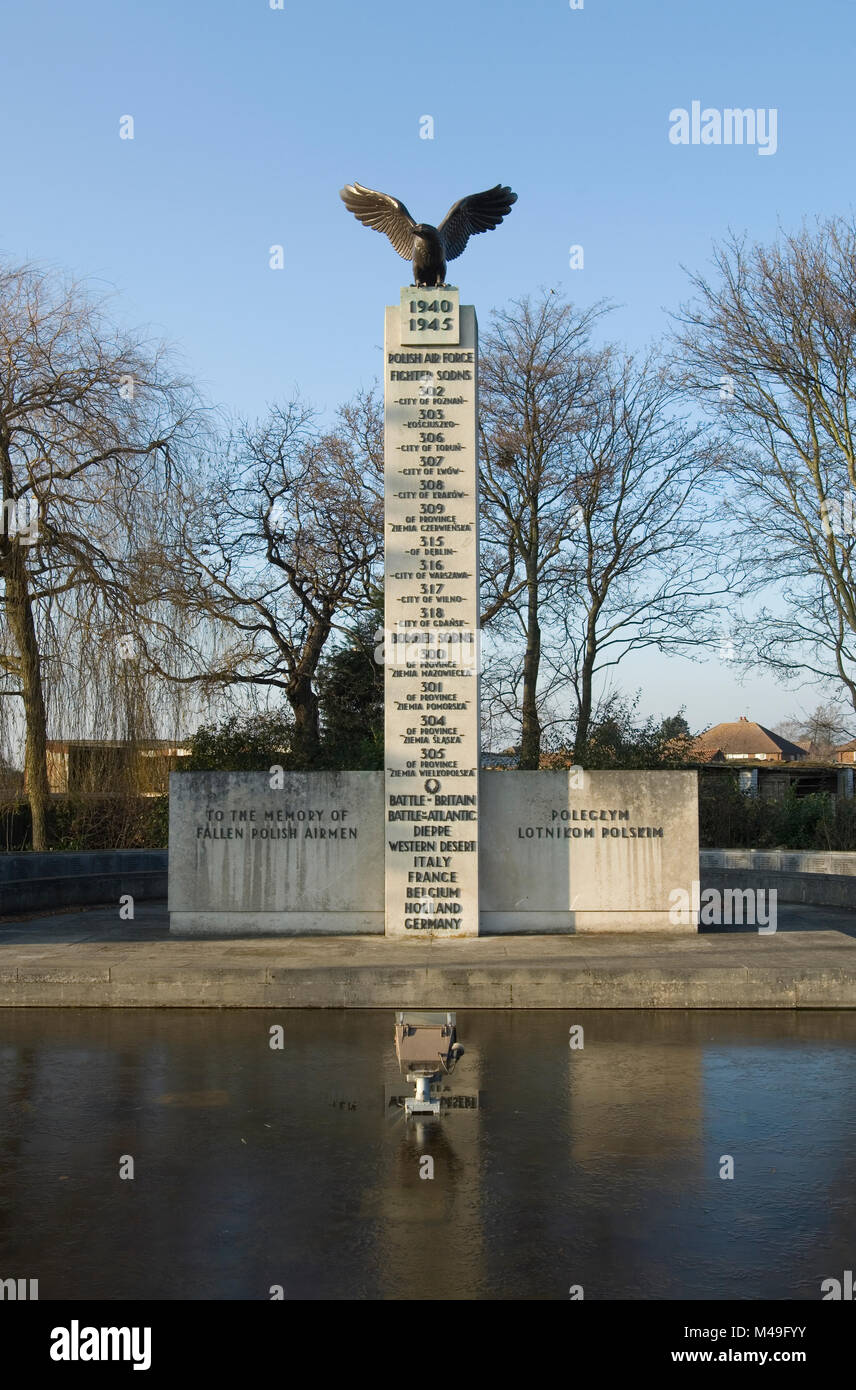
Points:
point(811, 970)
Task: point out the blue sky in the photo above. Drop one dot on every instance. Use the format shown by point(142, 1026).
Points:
point(248, 119)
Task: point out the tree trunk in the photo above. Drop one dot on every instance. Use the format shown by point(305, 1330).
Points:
point(584, 712)
point(586, 679)
point(19, 615)
point(530, 732)
point(304, 706)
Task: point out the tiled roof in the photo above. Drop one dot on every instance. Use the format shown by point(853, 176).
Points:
point(744, 736)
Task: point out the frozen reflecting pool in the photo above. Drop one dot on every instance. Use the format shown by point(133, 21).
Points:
point(256, 1167)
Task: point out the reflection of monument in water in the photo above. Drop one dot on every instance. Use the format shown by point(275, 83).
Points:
point(627, 1111)
point(429, 1230)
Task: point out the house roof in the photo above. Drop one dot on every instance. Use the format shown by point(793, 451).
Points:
point(746, 737)
point(845, 747)
point(499, 760)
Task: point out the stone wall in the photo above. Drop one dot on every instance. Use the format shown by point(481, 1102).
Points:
point(307, 856)
point(818, 878)
point(246, 858)
point(35, 882)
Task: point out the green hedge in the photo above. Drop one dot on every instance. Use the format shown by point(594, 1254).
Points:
point(728, 819)
point(92, 822)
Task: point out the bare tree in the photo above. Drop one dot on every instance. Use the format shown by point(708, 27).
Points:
point(535, 388)
point(819, 730)
point(91, 422)
point(639, 567)
point(769, 343)
point(278, 548)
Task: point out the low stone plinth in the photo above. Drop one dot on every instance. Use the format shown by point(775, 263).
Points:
point(558, 852)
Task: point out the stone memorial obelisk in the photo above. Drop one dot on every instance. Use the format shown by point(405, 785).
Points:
point(431, 778)
point(431, 782)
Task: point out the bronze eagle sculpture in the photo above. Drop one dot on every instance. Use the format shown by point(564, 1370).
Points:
point(429, 248)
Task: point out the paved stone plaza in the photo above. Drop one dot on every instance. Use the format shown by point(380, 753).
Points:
point(92, 959)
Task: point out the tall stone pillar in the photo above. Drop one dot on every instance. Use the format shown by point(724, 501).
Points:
point(431, 639)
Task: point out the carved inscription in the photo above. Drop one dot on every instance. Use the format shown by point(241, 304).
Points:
point(431, 626)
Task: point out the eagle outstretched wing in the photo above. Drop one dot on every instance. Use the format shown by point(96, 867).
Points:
point(383, 213)
point(480, 212)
